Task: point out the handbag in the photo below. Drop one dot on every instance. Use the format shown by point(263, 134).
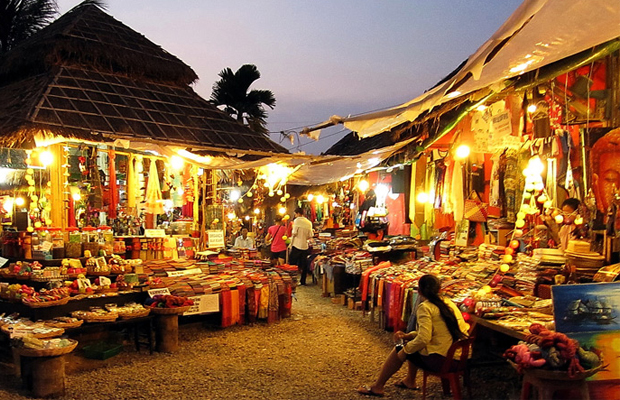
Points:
point(475, 210)
point(268, 242)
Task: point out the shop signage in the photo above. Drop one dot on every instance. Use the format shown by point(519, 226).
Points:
point(154, 233)
point(206, 303)
point(216, 238)
point(160, 291)
point(184, 272)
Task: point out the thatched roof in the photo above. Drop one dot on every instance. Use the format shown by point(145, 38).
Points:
point(90, 77)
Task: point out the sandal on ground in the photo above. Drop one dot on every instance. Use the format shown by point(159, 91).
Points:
point(366, 390)
point(403, 385)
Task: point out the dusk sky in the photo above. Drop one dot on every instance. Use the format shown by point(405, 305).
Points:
point(322, 57)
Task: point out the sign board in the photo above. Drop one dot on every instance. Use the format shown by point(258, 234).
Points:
point(154, 233)
point(184, 272)
point(206, 303)
point(3, 261)
point(160, 291)
point(216, 238)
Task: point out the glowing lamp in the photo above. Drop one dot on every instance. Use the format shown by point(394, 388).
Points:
point(531, 108)
point(231, 216)
point(29, 171)
point(504, 268)
point(520, 223)
point(176, 162)
point(282, 210)
point(76, 197)
point(548, 204)
point(280, 192)
point(487, 288)
point(234, 195)
point(514, 244)
point(320, 199)
point(286, 217)
point(8, 205)
point(538, 186)
point(462, 151)
point(518, 233)
point(256, 211)
point(536, 166)
point(507, 258)
point(287, 195)
point(520, 215)
point(30, 229)
point(46, 158)
point(37, 224)
point(363, 185)
point(481, 293)
point(271, 194)
point(559, 219)
point(310, 197)
point(542, 198)
point(283, 199)
point(19, 201)
point(247, 217)
point(422, 197)
point(249, 194)
point(284, 237)
point(527, 195)
point(509, 251)
point(529, 187)
point(578, 220)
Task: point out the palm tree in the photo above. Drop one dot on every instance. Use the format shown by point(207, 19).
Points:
point(19, 19)
point(231, 91)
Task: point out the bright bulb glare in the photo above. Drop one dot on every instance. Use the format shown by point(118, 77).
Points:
point(535, 166)
point(176, 162)
point(231, 215)
point(462, 151)
point(320, 199)
point(46, 157)
point(422, 197)
point(282, 210)
point(256, 211)
point(363, 185)
point(531, 108)
point(76, 196)
point(8, 205)
point(234, 195)
point(310, 197)
point(19, 201)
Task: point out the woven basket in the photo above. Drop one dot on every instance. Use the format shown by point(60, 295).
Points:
point(138, 314)
point(109, 290)
point(164, 311)
point(48, 335)
point(47, 352)
point(111, 317)
point(43, 304)
point(99, 273)
point(64, 325)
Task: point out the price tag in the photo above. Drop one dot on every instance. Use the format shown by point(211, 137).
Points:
point(154, 233)
point(184, 272)
point(160, 291)
point(46, 246)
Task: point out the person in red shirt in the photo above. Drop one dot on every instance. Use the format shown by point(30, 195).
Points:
point(275, 235)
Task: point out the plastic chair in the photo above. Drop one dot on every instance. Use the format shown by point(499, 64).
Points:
point(452, 369)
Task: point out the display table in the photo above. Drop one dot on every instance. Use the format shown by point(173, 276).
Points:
point(43, 371)
point(497, 327)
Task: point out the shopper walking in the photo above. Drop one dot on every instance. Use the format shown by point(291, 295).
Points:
point(302, 232)
point(275, 236)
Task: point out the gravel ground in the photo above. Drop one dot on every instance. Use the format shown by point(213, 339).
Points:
point(324, 351)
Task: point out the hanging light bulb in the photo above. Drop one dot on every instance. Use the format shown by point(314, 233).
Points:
point(363, 185)
point(504, 268)
point(176, 162)
point(46, 158)
point(234, 195)
point(8, 205)
point(19, 201)
point(282, 210)
point(559, 219)
point(76, 197)
point(231, 216)
point(249, 194)
point(256, 211)
point(320, 199)
point(310, 197)
point(247, 218)
point(280, 192)
point(531, 108)
point(462, 151)
point(422, 197)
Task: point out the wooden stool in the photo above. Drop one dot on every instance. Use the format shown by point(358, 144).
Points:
point(546, 387)
point(167, 332)
point(44, 376)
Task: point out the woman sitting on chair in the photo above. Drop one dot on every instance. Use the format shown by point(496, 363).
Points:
point(439, 323)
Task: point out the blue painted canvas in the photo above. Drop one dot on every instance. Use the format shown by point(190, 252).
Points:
point(591, 307)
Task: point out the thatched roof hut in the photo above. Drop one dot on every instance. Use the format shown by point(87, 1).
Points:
point(89, 77)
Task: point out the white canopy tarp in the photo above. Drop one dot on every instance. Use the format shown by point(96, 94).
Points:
point(538, 33)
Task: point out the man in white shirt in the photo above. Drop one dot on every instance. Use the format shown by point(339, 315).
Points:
point(302, 232)
point(243, 241)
